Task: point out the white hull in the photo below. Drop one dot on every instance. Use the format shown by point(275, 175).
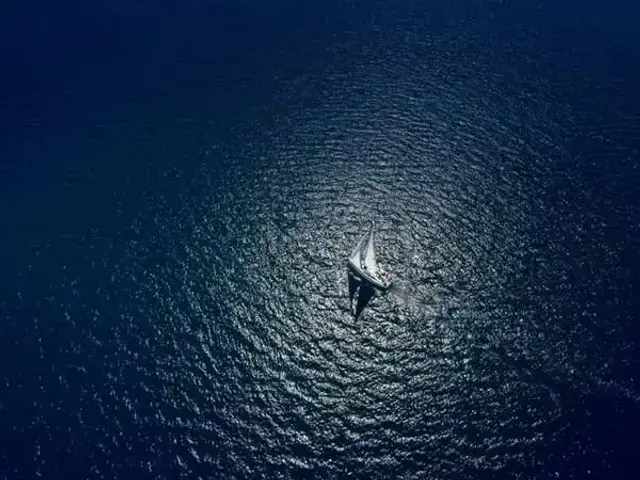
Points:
point(364, 275)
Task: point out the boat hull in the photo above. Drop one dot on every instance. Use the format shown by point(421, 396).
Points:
point(363, 274)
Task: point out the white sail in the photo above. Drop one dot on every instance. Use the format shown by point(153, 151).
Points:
point(355, 255)
point(369, 261)
point(363, 262)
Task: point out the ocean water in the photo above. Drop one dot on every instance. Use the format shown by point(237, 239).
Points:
point(180, 185)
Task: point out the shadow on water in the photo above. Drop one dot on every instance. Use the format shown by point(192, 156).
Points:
point(364, 293)
point(354, 283)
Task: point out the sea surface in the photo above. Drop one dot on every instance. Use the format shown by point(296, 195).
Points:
point(180, 186)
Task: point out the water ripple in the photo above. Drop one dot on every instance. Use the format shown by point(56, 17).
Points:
point(239, 352)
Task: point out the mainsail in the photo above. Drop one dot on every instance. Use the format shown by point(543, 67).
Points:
point(369, 261)
point(355, 255)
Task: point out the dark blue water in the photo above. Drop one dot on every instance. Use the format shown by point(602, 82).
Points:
point(180, 185)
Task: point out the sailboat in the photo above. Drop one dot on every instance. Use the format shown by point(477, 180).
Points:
point(363, 262)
